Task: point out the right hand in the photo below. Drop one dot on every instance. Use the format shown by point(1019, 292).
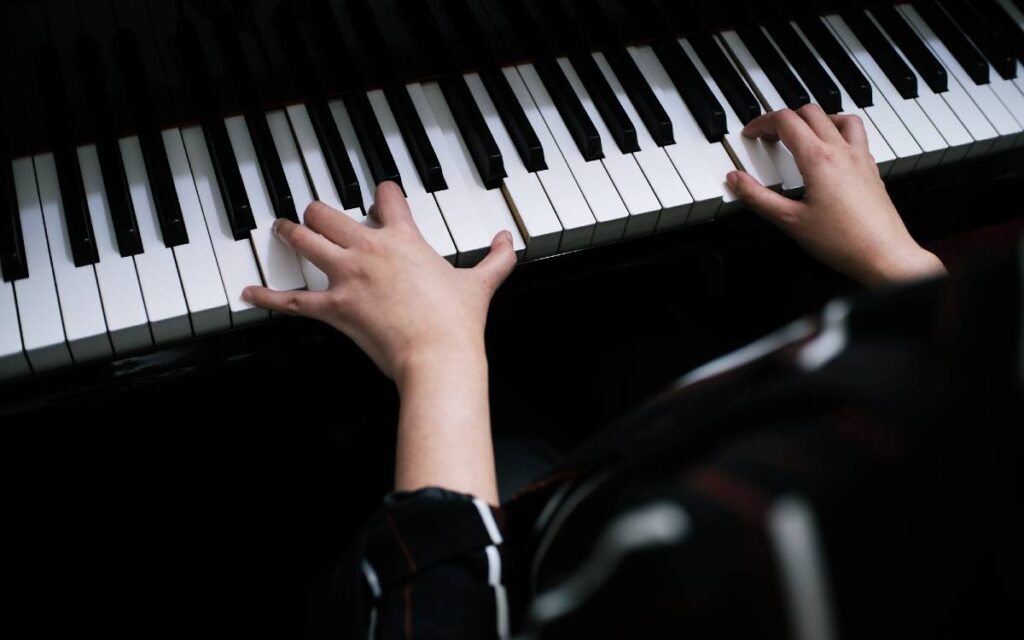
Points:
point(846, 219)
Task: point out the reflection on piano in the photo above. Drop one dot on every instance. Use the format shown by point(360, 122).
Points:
point(146, 148)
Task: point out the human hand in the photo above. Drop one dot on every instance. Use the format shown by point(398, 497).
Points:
point(389, 291)
point(846, 218)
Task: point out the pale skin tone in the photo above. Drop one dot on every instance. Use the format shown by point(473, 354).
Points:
point(422, 320)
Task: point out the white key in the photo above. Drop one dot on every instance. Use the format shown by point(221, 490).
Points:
point(675, 199)
point(302, 193)
point(910, 113)
point(1011, 93)
point(235, 258)
point(492, 213)
point(42, 328)
point(880, 150)
point(525, 196)
point(566, 199)
point(156, 265)
point(424, 208)
point(643, 206)
point(702, 165)
point(197, 264)
point(13, 363)
point(313, 158)
point(951, 126)
point(80, 305)
point(277, 262)
point(884, 129)
point(758, 79)
point(116, 275)
point(592, 179)
point(754, 156)
point(995, 112)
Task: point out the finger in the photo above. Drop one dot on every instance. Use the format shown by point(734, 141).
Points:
point(333, 224)
point(295, 303)
point(851, 127)
point(390, 206)
point(820, 123)
point(309, 244)
point(787, 126)
point(498, 264)
point(765, 202)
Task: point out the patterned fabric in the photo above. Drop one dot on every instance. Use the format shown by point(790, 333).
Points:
point(855, 474)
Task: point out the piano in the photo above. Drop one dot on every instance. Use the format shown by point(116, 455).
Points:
point(147, 147)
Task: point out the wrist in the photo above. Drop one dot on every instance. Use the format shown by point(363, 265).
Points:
point(440, 359)
point(913, 263)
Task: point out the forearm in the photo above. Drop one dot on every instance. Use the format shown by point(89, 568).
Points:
point(444, 425)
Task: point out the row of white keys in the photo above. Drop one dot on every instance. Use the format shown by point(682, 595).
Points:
point(879, 148)
point(662, 176)
point(702, 165)
point(932, 143)
point(118, 279)
point(13, 363)
point(277, 261)
point(157, 267)
point(592, 179)
point(42, 329)
point(81, 305)
point(754, 156)
point(424, 209)
point(570, 205)
point(298, 185)
point(643, 206)
point(751, 69)
point(880, 121)
point(234, 258)
point(956, 128)
point(988, 103)
point(197, 264)
point(527, 201)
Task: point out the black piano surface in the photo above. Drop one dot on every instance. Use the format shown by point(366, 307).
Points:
point(210, 483)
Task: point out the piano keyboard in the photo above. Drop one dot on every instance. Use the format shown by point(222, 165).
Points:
point(143, 240)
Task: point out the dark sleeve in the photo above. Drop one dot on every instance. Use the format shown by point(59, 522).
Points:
point(430, 566)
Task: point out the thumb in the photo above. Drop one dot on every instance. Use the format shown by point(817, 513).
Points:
point(768, 204)
point(498, 264)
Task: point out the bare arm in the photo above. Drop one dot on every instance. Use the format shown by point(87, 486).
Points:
point(846, 218)
point(420, 320)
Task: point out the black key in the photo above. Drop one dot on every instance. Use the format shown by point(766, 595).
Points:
point(514, 118)
point(703, 104)
point(901, 75)
point(161, 182)
point(13, 263)
point(998, 54)
point(158, 168)
point(76, 209)
point(641, 95)
point(781, 76)
point(270, 166)
point(415, 137)
point(232, 189)
point(371, 139)
point(916, 51)
point(482, 147)
point(1002, 23)
point(736, 91)
point(615, 118)
point(838, 60)
point(122, 211)
point(343, 175)
point(820, 84)
point(571, 109)
point(962, 49)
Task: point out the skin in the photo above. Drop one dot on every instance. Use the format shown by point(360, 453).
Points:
point(422, 320)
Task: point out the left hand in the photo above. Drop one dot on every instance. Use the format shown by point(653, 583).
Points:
point(401, 302)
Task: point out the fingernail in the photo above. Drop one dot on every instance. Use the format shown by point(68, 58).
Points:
point(732, 178)
point(247, 293)
point(276, 226)
point(508, 235)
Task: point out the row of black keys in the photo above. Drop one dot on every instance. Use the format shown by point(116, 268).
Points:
point(961, 26)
